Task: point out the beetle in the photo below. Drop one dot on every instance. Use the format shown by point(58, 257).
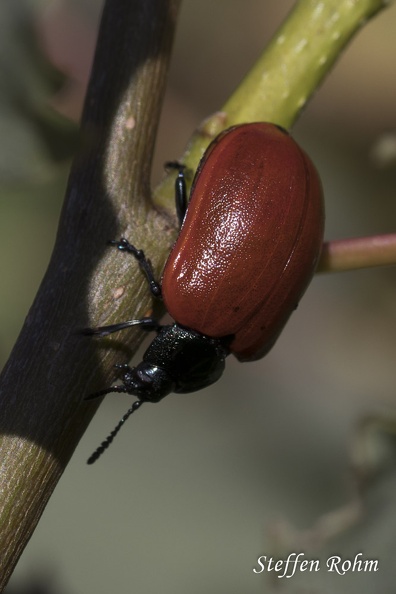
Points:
point(248, 247)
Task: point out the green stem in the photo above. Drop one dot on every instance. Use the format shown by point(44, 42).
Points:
point(298, 58)
point(286, 75)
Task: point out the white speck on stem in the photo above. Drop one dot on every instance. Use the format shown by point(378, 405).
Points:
point(130, 123)
point(301, 102)
point(118, 292)
point(301, 45)
point(318, 10)
point(334, 18)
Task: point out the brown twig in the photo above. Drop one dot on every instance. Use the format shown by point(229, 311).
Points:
point(52, 367)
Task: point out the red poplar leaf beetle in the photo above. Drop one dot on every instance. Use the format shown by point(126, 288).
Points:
point(248, 246)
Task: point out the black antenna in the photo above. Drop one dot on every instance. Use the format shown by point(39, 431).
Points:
point(105, 444)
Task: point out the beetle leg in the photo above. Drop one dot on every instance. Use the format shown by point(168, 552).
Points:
point(147, 324)
point(144, 263)
point(119, 389)
point(180, 189)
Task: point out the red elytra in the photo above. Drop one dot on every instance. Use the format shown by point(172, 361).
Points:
point(250, 240)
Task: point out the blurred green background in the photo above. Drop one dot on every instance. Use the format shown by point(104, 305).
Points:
point(195, 489)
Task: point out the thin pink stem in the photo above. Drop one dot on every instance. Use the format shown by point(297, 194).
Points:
point(362, 252)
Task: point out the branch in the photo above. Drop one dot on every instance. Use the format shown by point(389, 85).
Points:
point(284, 78)
point(362, 252)
point(51, 369)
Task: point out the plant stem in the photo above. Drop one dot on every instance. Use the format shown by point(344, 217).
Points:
point(362, 252)
point(284, 78)
point(52, 367)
